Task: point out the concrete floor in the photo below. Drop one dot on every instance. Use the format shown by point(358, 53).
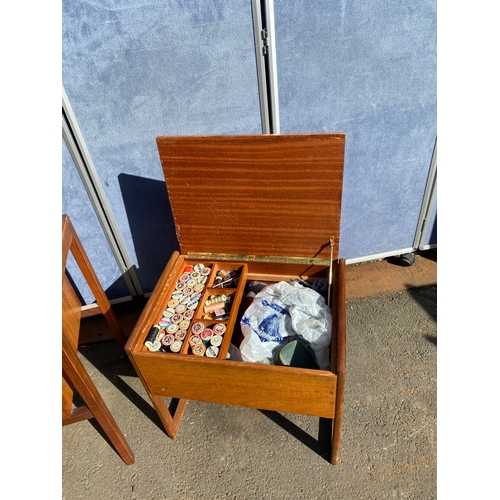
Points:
point(388, 444)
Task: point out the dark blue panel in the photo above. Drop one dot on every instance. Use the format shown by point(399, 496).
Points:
point(136, 70)
point(431, 237)
point(367, 69)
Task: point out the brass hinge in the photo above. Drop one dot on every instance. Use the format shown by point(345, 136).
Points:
point(259, 258)
point(273, 259)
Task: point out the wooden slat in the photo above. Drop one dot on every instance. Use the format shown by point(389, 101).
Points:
point(75, 373)
point(74, 376)
point(71, 243)
point(255, 194)
point(71, 312)
point(67, 400)
point(77, 415)
point(90, 310)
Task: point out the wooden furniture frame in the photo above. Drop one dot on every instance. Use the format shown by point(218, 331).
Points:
point(75, 377)
point(293, 179)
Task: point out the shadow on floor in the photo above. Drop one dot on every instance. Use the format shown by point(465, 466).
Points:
point(112, 362)
point(321, 446)
point(108, 358)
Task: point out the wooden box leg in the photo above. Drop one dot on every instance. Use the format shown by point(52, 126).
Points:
point(337, 421)
point(170, 418)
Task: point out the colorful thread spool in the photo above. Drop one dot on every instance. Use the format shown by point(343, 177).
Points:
point(206, 335)
point(197, 327)
point(219, 329)
point(212, 351)
point(216, 340)
point(152, 334)
point(176, 345)
point(194, 340)
point(198, 350)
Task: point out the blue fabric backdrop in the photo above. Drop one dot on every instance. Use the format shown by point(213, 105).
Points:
point(133, 71)
point(366, 68)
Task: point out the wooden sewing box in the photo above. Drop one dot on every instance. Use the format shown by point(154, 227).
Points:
point(270, 206)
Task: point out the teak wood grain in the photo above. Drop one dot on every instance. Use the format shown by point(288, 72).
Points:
point(72, 243)
point(74, 371)
point(287, 389)
point(258, 195)
point(253, 385)
point(254, 195)
point(74, 376)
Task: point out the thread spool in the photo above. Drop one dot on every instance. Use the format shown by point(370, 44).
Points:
point(184, 300)
point(176, 345)
point(192, 305)
point(152, 334)
point(197, 327)
point(219, 329)
point(215, 299)
point(168, 312)
point(164, 322)
point(206, 335)
point(180, 334)
point(219, 306)
point(172, 328)
point(180, 308)
point(167, 340)
point(194, 340)
point(198, 350)
point(184, 324)
point(153, 346)
point(205, 271)
point(184, 277)
point(173, 303)
point(212, 351)
point(177, 318)
point(189, 314)
point(222, 273)
point(216, 340)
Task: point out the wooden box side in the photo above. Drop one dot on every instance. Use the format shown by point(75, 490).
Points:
point(311, 392)
point(136, 338)
point(267, 387)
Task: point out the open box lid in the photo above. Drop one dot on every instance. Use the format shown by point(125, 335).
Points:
point(255, 195)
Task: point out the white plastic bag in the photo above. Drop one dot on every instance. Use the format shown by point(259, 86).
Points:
point(283, 312)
